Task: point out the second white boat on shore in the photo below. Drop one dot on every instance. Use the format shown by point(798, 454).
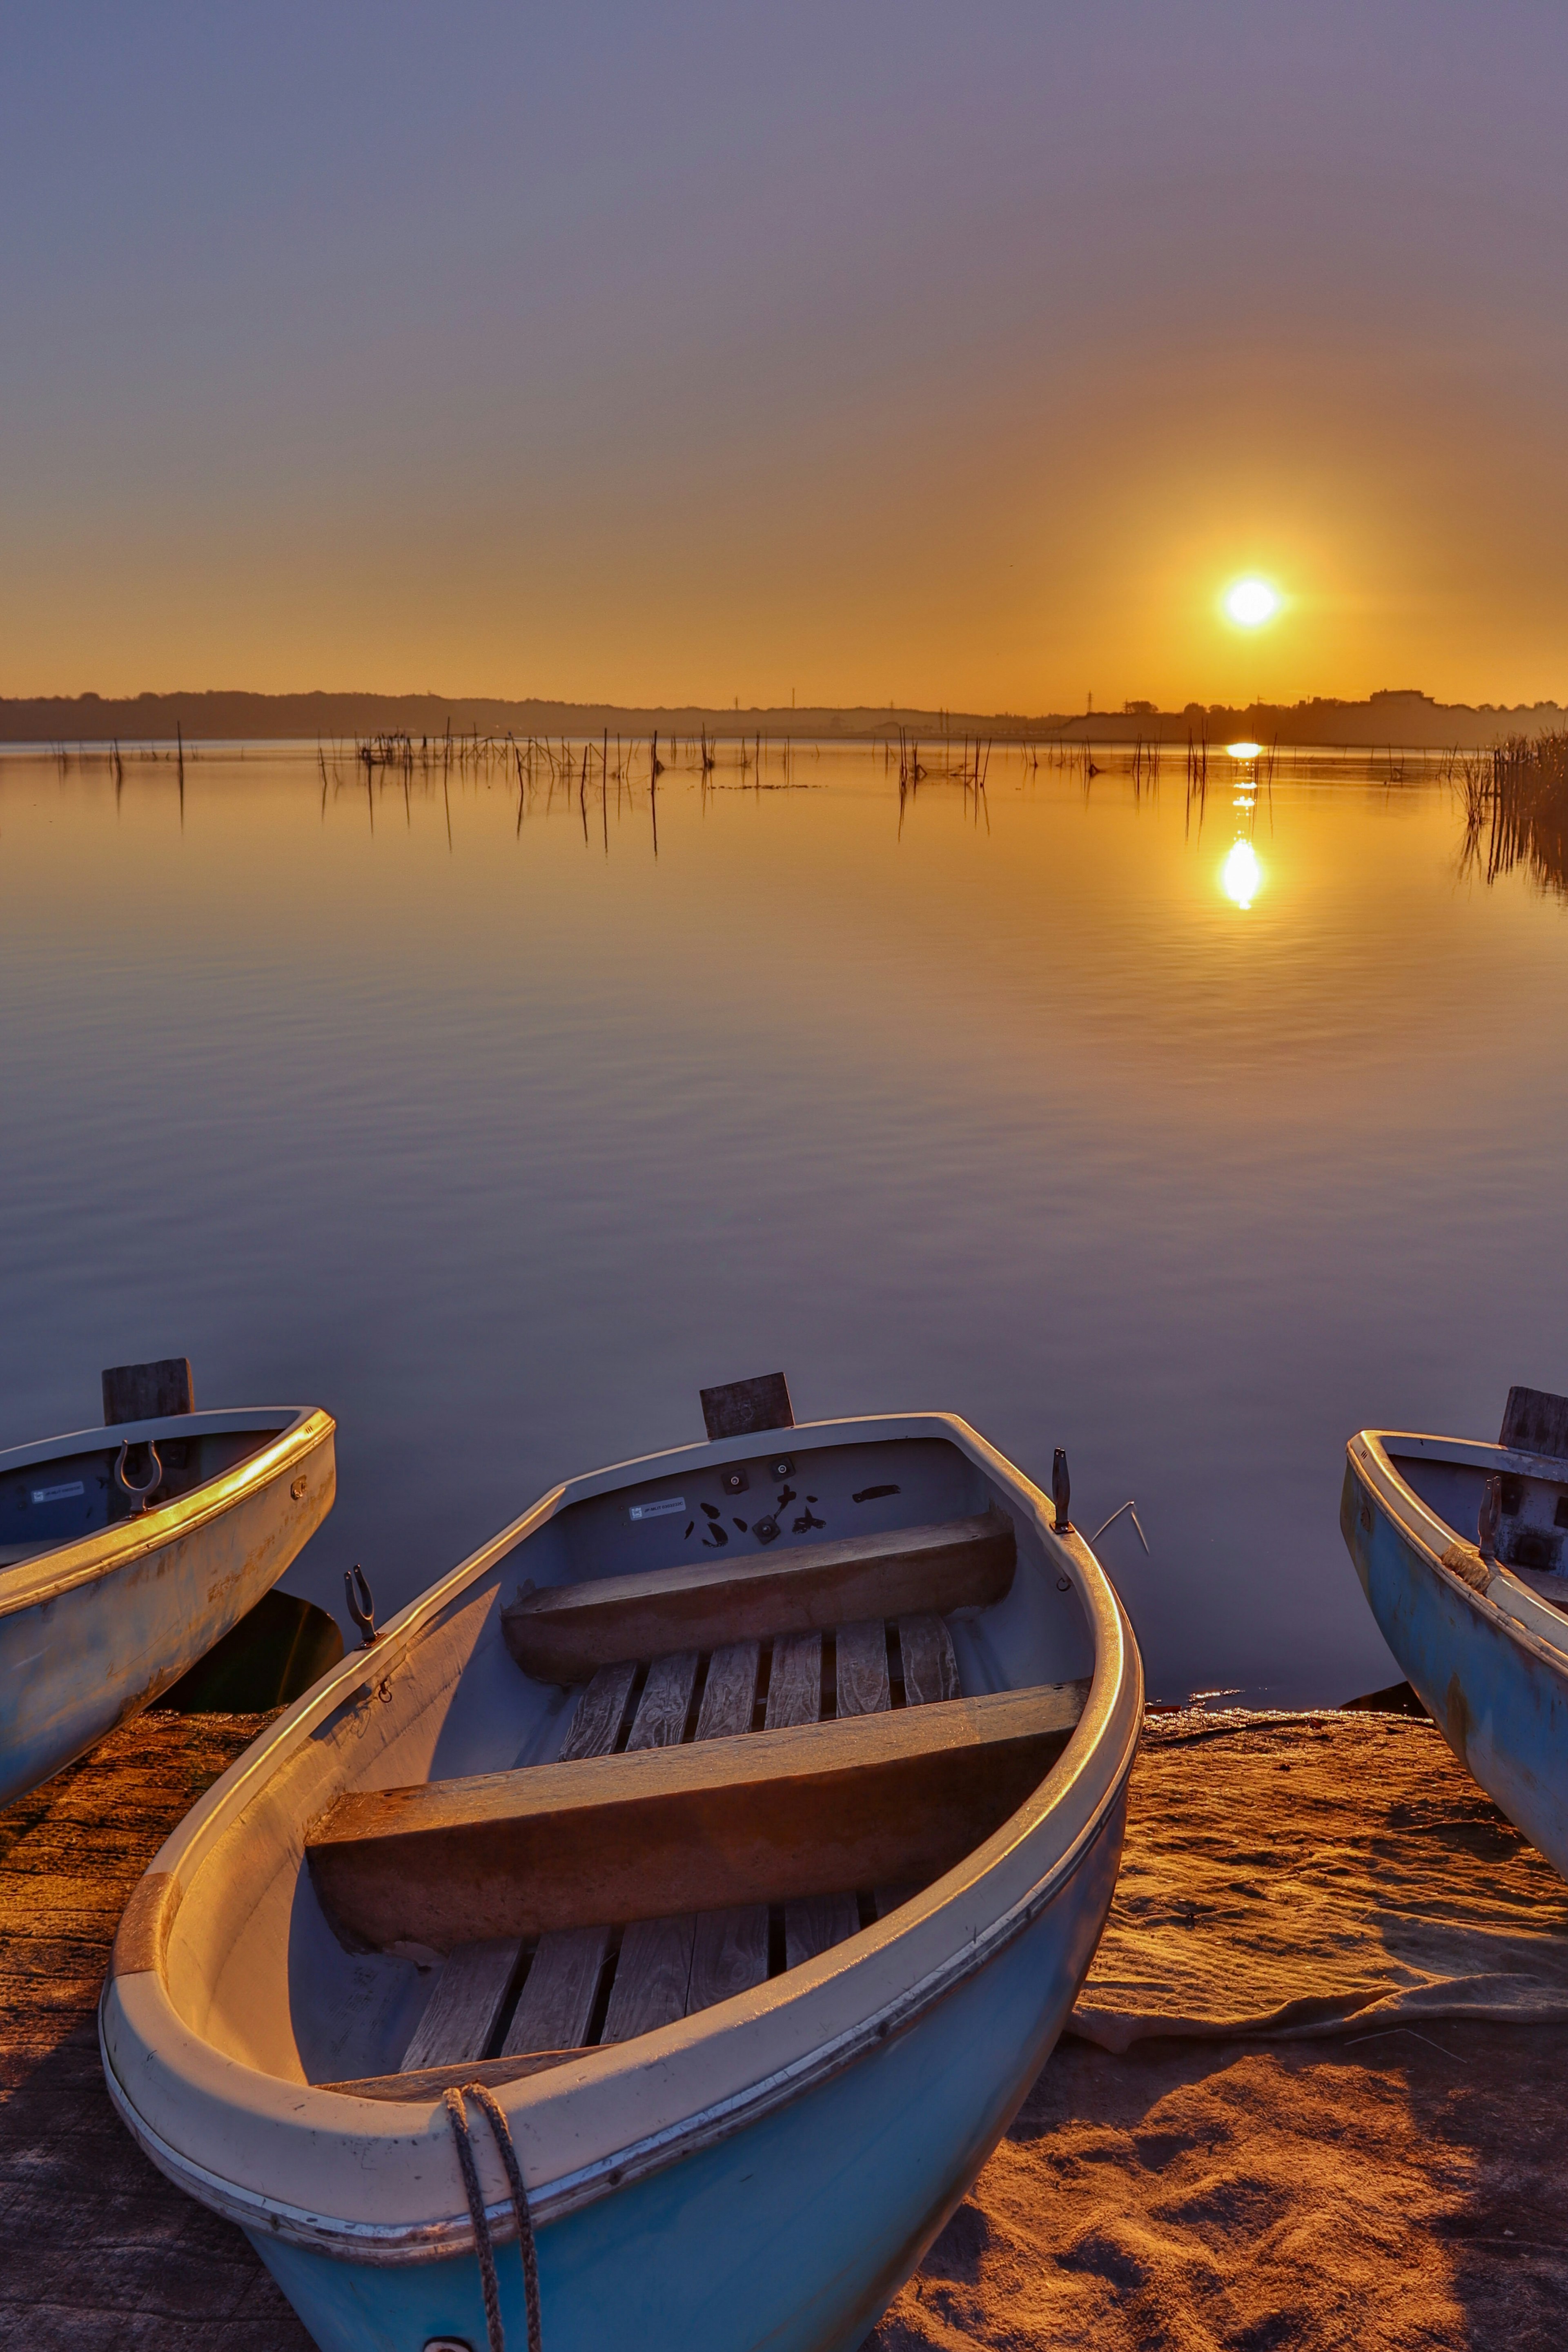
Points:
point(1462, 1552)
point(127, 1551)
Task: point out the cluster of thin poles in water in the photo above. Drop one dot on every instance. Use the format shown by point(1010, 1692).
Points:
point(1514, 795)
point(1515, 809)
point(573, 767)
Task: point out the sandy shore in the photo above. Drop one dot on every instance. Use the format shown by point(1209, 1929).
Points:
point(1407, 2193)
point(1394, 2176)
point(1374, 2159)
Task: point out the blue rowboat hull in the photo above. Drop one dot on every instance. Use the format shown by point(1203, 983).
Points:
point(794, 2234)
point(1498, 1692)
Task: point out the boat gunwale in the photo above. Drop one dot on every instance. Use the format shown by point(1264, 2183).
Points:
point(1374, 1465)
point(1086, 1764)
point(60, 1569)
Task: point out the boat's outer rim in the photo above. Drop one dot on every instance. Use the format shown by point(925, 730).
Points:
point(1115, 1696)
point(1371, 1451)
point(64, 1568)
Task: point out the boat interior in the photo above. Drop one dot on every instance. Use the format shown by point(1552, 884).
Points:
point(716, 1721)
point(1531, 1535)
point(97, 1479)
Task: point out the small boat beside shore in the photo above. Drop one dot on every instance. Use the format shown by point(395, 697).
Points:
point(1462, 1552)
point(127, 1551)
point(740, 1820)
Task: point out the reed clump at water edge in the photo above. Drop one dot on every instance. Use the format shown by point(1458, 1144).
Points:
point(1515, 809)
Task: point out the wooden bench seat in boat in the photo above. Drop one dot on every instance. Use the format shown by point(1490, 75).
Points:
point(567, 1632)
point(804, 1810)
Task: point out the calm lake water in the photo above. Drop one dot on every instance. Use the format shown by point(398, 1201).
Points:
point(499, 1135)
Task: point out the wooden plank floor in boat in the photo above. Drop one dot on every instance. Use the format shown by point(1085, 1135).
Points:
point(586, 1985)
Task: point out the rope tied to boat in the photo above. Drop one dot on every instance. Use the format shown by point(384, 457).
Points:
point(483, 2242)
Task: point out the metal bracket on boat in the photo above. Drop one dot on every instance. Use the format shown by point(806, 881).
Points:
point(139, 1494)
point(1491, 1513)
point(362, 1604)
point(1061, 1490)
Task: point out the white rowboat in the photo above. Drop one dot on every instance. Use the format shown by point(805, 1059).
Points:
point(1462, 1552)
point(759, 1929)
point(125, 1553)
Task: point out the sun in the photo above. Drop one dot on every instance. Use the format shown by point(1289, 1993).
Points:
point(1251, 603)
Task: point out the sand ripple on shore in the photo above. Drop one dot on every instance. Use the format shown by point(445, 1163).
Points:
point(1281, 1878)
point(1402, 2183)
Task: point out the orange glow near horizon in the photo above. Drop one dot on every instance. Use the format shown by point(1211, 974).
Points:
point(1200, 413)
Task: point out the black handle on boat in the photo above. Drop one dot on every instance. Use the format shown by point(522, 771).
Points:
point(362, 1604)
point(128, 1485)
point(1061, 1489)
point(1491, 1513)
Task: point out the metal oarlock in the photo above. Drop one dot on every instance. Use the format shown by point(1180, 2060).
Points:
point(139, 1494)
point(1488, 1519)
point(1061, 1490)
point(362, 1604)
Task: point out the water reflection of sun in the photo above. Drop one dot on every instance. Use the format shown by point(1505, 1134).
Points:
point(1241, 876)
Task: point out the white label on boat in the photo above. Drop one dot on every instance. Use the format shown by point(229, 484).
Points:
point(671, 1503)
point(58, 1494)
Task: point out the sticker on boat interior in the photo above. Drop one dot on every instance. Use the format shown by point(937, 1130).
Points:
point(664, 1510)
point(58, 1494)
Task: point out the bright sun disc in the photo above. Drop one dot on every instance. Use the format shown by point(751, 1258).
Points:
point(1241, 876)
point(1251, 603)
point(1244, 750)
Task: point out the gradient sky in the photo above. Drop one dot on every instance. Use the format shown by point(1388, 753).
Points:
point(957, 355)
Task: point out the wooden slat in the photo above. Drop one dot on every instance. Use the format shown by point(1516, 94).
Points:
point(470, 1993)
point(666, 1702)
point(748, 1408)
point(862, 1669)
point(148, 1391)
point(816, 1924)
point(652, 1975)
point(427, 2082)
point(558, 1994)
point(931, 1668)
point(596, 1725)
point(1535, 1420)
point(730, 1693)
point(564, 1632)
point(795, 1686)
point(730, 1949)
point(870, 1800)
point(556, 2002)
point(654, 1971)
point(461, 2012)
point(729, 1954)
